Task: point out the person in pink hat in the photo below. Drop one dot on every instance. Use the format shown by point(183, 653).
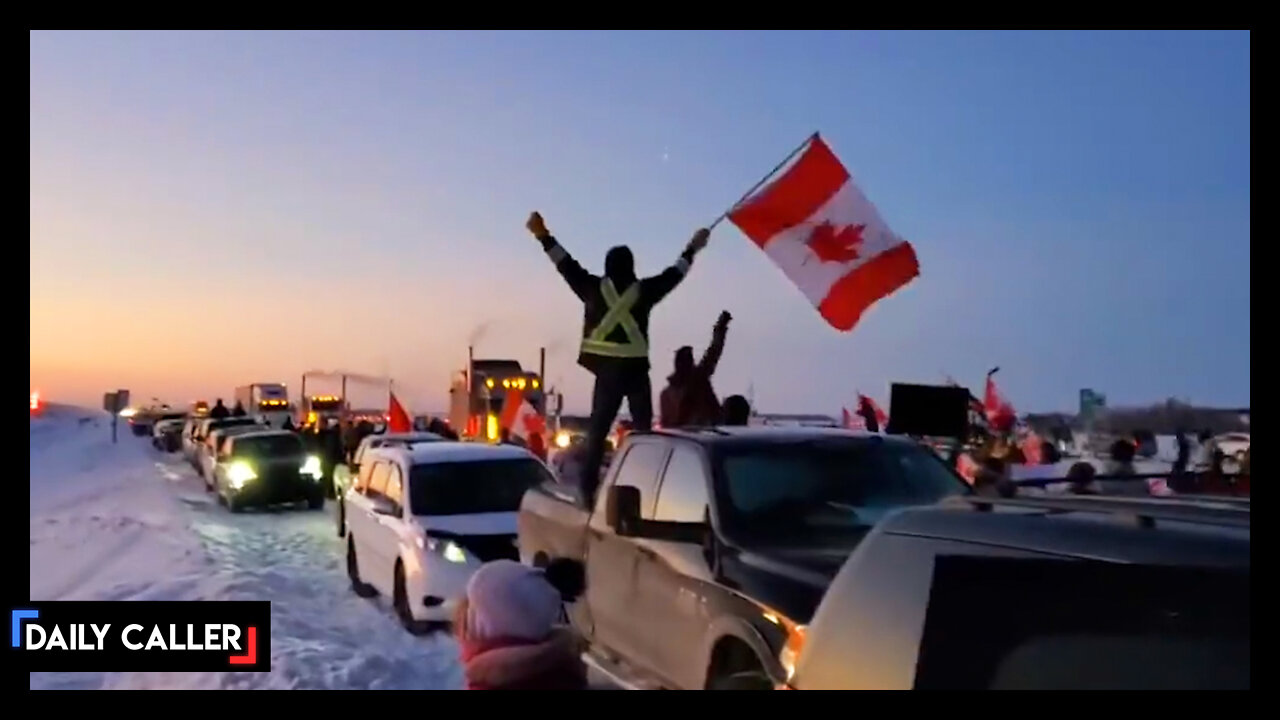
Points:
point(508, 627)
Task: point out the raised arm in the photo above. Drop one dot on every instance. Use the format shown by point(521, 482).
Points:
point(711, 358)
point(580, 281)
point(659, 286)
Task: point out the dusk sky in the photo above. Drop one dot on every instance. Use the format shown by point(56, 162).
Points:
point(213, 209)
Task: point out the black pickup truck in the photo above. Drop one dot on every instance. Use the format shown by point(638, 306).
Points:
point(708, 551)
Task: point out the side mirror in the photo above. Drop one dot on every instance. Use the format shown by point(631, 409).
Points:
point(622, 509)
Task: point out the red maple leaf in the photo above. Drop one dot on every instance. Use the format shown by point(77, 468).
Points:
point(831, 246)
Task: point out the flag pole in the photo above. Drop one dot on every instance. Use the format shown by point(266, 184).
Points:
point(763, 180)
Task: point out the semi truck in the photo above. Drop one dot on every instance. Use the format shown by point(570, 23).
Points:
point(268, 401)
point(485, 398)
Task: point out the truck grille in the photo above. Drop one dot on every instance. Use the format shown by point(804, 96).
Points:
point(488, 548)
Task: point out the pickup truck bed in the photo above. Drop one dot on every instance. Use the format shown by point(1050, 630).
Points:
point(552, 524)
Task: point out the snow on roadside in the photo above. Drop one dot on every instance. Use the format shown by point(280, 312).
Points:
point(121, 522)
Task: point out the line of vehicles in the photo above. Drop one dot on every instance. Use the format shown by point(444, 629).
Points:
point(788, 558)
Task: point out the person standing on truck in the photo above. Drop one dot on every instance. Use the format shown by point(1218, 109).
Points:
point(219, 411)
point(238, 410)
point(615, 334)
point(689, 399)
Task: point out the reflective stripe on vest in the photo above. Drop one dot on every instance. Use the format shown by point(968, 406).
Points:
point(618, 314)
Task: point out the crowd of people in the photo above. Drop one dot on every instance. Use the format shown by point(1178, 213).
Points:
point(990, 466)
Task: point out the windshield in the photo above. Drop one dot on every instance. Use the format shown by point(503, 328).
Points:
point(268, 446)
point(464, 488)
point(825, 491)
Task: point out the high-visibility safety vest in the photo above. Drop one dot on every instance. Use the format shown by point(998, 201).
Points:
point(617, 315)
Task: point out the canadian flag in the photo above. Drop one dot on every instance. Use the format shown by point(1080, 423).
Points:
point(816, 224)
point(1000, 414)
point(397, 419)
point(520, 417)
point(882, 418)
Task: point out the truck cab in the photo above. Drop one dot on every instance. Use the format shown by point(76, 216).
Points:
point(706, 551)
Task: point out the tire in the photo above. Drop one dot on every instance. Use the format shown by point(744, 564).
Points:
point(400, 602)
point(315, 502)
point(358, 586)
point(742, 680)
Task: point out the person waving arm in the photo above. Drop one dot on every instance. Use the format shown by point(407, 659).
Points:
point(659, 286)
point(580, 281)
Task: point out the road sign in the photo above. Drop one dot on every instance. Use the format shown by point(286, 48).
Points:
point(114, 402)
point(1091, 403)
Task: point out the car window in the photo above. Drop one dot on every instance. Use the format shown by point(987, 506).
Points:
point(362, 479)
point(270, 446)
point(1151, 627)
point(683, 495)
point(473, 487)
point(378, 480)
point(639, 469)
point(830, 490)
point(395, 486)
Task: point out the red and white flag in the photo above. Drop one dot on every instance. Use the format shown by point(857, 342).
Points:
point(520, 417)
point(882, 417)
point(1000, 414)
point(397, 419)
point(852, 421)
point(816, 224)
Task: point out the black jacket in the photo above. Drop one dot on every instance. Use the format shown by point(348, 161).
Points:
point(588, 289)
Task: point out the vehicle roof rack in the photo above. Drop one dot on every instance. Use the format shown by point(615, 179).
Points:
point(1145, 513)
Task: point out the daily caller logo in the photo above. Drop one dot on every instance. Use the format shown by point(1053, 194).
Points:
point(129, 645)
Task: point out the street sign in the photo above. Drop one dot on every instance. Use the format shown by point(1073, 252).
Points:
point(114, 402)
point(1091, 403)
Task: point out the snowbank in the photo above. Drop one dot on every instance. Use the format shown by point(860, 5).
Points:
point(120, 522)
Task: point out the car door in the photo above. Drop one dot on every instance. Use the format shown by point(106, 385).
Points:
point(371, 541)
point(613, 562)
point(673, 577)
point(393, 530)
point(354, 501)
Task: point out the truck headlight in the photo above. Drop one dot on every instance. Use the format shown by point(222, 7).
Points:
point(312, 467)
point(240, 473)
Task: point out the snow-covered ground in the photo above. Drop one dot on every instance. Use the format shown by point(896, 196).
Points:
point(122, 522)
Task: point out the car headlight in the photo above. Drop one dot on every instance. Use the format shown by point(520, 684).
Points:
point(312, 467)
point(448, 548)
point(562, 439)
point(240, 473)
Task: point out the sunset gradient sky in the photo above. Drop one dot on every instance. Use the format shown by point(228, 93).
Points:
point(213, 209)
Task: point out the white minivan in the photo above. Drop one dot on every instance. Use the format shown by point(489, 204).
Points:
point(420, 519)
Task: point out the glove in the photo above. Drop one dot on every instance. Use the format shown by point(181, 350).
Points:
point(699, 240)
point(536, 225)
